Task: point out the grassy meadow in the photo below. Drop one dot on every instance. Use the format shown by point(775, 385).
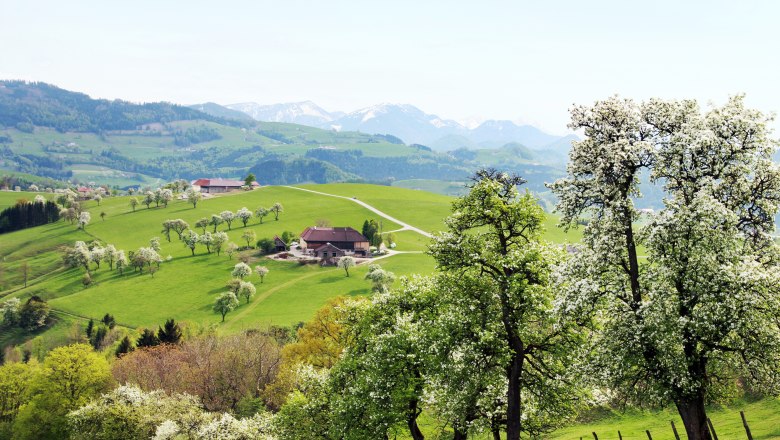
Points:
point(185, 287)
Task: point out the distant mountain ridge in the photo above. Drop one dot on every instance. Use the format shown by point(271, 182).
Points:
point(304, 113)
point(407, 122)
point(40, 104)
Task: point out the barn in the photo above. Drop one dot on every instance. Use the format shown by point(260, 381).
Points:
point(215, 186)
point(339, 241)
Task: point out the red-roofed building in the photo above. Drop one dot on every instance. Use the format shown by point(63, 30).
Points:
point(213, 186)
point(339, 241)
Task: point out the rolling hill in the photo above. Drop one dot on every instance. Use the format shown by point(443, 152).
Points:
point(185, 287)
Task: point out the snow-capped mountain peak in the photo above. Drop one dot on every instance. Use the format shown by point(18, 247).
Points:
point(304, 112)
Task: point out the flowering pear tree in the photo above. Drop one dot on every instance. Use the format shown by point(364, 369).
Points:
point(193, 197)
point(261, 271)
point(228, 217)
point(244, 215)
point(277, 208)
point(191, 239)
point(207, 239)
point(246, 290)
point(381, 279)
point(703, 307)
point(241, 270)
point(219, 240)
point(346, 263)
point(262, 213)
point(84, 219)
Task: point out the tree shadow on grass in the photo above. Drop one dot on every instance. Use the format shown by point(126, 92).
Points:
point(358, 292)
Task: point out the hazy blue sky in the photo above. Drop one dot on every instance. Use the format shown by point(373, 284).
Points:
point(489, 59)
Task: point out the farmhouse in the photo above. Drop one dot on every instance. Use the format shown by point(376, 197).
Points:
point(213, 186)
point(333, 242)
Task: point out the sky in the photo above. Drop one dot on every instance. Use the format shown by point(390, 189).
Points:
point(517, 60)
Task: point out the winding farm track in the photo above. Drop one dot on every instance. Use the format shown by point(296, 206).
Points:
point(404, 226)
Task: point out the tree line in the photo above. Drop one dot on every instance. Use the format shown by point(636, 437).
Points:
point(26, 214)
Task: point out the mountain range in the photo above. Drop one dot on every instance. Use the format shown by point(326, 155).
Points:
point(405, 121)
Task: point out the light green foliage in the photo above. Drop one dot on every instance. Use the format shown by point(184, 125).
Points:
point(494, 263)
point(305, 416)
point(378, 383)
point(693, 316)
point(70, 377)
point(15, 382)
point(225, 303)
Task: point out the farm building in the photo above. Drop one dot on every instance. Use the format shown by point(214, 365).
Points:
point(214, 186)
point(342, 241)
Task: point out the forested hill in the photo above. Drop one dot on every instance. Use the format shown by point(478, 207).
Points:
point(26, 104)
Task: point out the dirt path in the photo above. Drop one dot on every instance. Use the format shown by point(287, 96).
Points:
point(405, 226)
point(243, 311)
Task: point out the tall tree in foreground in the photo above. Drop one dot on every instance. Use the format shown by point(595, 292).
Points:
point(493, 245)
point(704, 306)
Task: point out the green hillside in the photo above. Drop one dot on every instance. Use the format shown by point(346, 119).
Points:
point(185, 286)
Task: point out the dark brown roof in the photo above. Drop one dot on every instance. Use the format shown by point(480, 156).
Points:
point(326, 245)
point(339, 235)
point(219, 182)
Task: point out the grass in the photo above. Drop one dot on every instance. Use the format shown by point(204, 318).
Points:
point(423, 209)
point(185, 287)
point(762, 417)
point(443, 187)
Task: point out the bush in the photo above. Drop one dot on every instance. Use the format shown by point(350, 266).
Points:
point(34, 313)
point(266, 245)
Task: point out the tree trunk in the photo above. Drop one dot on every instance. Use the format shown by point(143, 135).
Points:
point(514, 401)
point(694, 418)
point(412, 421)
point(460, 434)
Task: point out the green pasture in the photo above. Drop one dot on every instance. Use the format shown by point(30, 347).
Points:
point(422, 209)
point(443, 187)
point(185, 287)
point(761, 415)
